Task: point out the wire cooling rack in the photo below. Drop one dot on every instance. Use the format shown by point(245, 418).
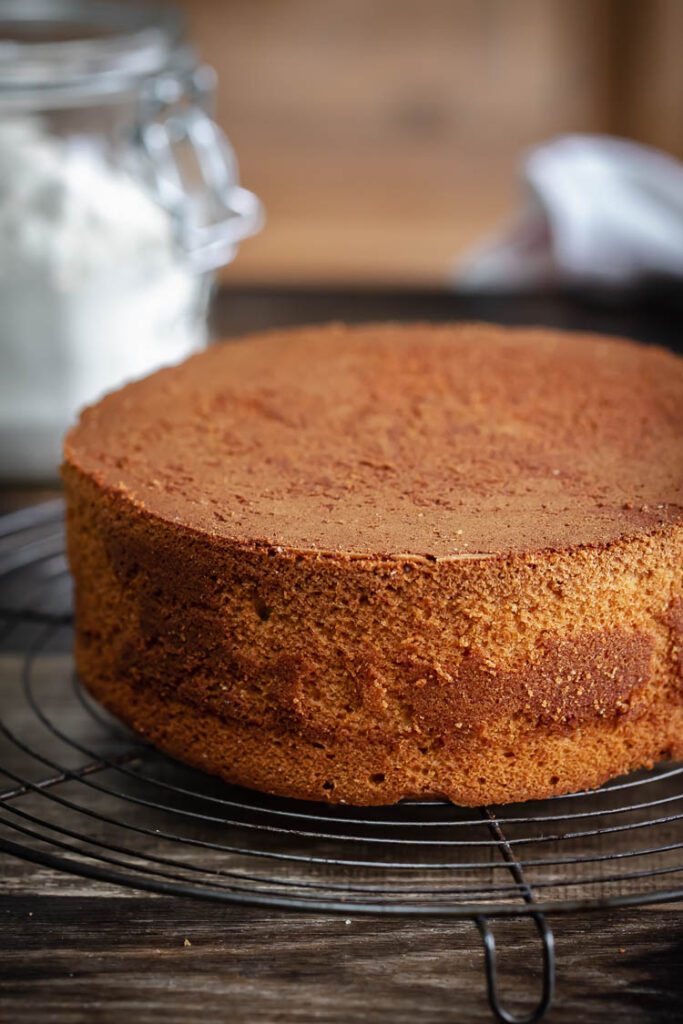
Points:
point(80, 793)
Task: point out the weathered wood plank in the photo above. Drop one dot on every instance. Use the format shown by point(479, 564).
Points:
point(72, 960)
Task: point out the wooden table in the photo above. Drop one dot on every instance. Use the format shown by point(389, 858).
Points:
point(74, 951)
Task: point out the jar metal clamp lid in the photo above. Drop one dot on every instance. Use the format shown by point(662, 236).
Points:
point(69, 53)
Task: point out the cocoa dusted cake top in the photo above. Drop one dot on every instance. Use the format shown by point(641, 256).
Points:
point(441, 441)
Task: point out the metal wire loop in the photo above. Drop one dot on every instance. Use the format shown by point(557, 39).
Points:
point(548, 982)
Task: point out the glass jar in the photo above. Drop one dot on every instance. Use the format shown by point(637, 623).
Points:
point(119, 197)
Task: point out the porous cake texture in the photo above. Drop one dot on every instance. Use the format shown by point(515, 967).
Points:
point(367, 563)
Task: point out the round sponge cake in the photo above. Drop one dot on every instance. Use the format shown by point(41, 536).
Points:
point(363, 564)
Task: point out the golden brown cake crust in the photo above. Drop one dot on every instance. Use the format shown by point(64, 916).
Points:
point(369, 563)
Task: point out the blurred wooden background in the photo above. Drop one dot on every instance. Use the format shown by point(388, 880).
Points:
point(384, 135)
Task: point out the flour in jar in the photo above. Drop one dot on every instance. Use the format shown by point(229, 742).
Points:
point(93, 289)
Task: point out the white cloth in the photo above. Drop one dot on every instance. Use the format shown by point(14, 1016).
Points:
point(597, 211)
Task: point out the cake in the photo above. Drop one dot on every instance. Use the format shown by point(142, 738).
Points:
point(362, 564)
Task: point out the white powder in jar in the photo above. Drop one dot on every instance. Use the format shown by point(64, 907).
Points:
point(93, 290)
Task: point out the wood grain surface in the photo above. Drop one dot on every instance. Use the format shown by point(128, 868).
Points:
point(75, 953)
